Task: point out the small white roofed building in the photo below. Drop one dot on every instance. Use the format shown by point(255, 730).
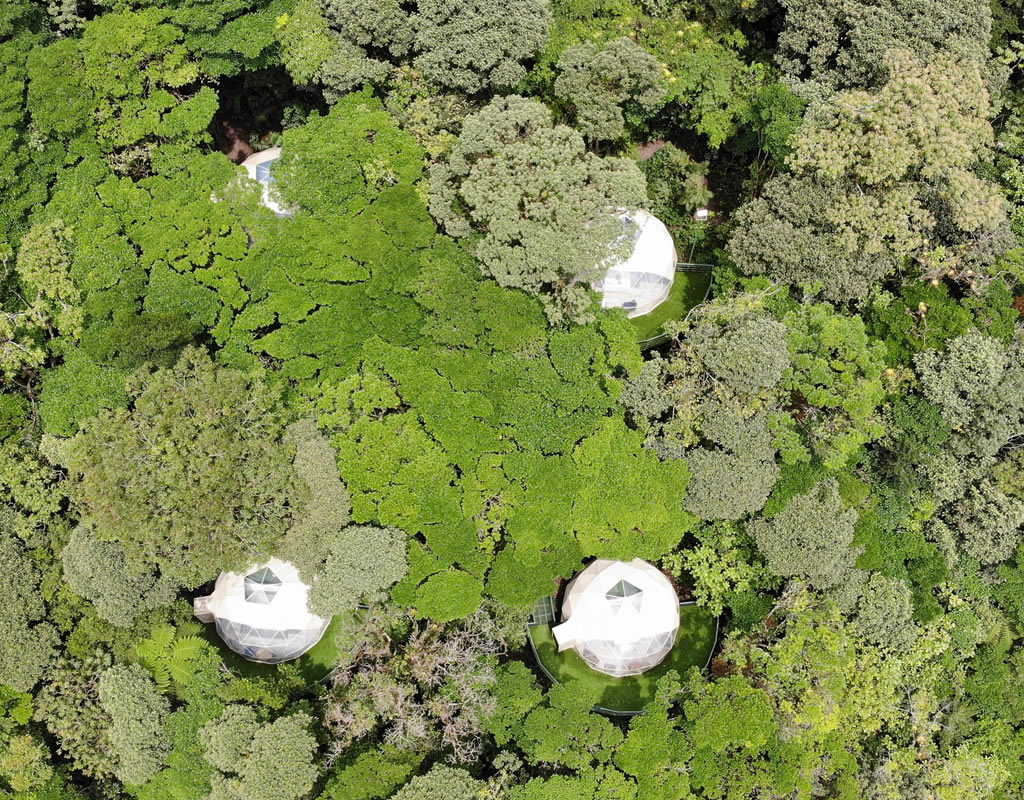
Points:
point(641, 282)
point(263, 615)
point(258, 165)
point(621, 617)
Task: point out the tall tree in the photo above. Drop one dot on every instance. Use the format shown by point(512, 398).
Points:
point(543, 203)
point(193, 478)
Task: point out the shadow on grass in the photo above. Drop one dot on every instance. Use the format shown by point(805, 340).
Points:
point(688, 290)
point(698, 631)
point(314, 665)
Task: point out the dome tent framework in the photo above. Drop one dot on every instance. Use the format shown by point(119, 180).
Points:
point(621, 617)
point(263, 615)
point(641, 282)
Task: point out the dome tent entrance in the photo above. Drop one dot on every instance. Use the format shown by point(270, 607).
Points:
point(643, 281)
point(258, 166)
point(621, 617)
point(263, 615)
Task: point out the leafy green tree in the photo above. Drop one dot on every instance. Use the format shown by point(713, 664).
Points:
point(449, 595)
point(810, 537)
point(566, 732)
point(133, 64)
point(98, 571)
point(137, 711)
point(260, 760)
point(193, 478)
point(848, 217)
point(29, 640)
point(843, 46)
point(540, 200)
point(363, 562)
point(478, 45)
point(370, 773)
point(794, 234)
point(47, 300)
point(723, 564)
point(835, 377)
point(26, 763)
point(441, 783)
point(598, 83)
point(314, 289)
point(517, 694)
point(655, 749)
point(614, 471)
point(21, 181)
point(733, 727)
point(334, 165)
point(676, 185)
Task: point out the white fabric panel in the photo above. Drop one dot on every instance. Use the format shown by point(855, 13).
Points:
point(263, 616)
point(641, 282)
point(622, 618)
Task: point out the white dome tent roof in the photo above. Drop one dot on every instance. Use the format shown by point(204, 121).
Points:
point(263, 615)
point(641, 282)
point(621, 617)
point(258, 166)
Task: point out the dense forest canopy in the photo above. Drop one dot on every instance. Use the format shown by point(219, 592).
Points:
point(404, 384)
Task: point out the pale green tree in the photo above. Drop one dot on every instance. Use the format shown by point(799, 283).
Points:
point(843, 45)
point(978, 384)
point(328, 507)
point(885, 612)
point(881, 179)
point(597, 82)
point(29, 641)
point(194, 477)
point(99, 572)
point(442, 783)
point(137, 710)
point(363, 562)
point(542, 203)
point(475, 45)
point(811, 537)
point(260, 760)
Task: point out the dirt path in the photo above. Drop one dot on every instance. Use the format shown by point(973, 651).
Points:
point(648, 149)
point(234, 142)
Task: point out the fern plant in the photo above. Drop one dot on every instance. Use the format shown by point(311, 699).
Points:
point(170, 656)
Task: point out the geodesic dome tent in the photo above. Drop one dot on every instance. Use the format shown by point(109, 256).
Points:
point(621, 617)
point(641, 282)
point(263, 615)
point(258, 165)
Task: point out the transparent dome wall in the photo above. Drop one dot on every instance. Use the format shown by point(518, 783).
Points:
point(268, 645)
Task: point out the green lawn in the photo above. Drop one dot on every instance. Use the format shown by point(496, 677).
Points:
point(688, 290)
point(698, 630)
point(314, 664)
